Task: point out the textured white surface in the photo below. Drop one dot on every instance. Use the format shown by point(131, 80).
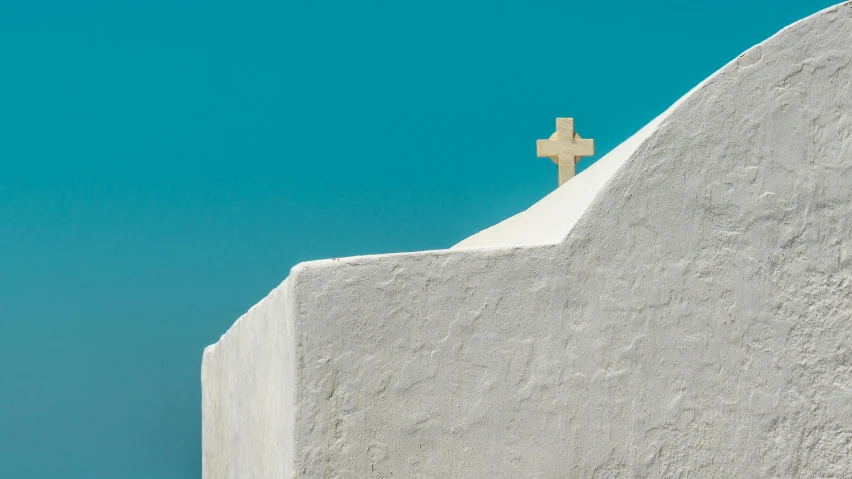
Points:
point(692, 318)
point(249, 389)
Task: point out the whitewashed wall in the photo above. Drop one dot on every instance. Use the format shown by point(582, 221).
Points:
point(695, 321)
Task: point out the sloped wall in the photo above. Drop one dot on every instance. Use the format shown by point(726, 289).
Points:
point(248, 393)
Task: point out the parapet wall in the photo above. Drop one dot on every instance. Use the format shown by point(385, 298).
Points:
point(694, 320)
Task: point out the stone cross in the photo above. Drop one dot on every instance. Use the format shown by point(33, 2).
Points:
point(565, 148)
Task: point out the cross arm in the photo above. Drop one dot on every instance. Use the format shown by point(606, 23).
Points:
point(583, 147)
point(545, 148)
point(578, 147)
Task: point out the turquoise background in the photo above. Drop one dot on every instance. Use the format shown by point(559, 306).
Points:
point(164, 164)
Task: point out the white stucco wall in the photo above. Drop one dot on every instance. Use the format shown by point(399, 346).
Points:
point(248, 384)
point(692, 319)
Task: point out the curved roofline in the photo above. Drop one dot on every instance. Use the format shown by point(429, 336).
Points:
point(551, 219)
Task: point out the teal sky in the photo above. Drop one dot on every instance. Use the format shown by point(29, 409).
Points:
point(164, 164)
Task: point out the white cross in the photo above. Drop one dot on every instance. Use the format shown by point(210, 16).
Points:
point(565, 148)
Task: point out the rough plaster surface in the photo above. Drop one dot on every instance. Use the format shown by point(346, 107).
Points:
point(694, 321)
